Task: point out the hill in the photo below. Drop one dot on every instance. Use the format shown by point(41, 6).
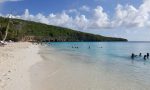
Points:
point(21, 30)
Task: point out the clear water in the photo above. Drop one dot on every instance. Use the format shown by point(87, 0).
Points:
point(108, 51)
point(103, 66)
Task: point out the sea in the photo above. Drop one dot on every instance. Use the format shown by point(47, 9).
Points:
point(93, 66)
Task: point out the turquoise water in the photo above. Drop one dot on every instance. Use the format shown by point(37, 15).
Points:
point(114, 51)
point(103, 66)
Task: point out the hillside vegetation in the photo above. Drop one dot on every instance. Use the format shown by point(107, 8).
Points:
point(21, 30)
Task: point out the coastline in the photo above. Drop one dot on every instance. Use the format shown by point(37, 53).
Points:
point(67, 70)
point(24, 66)
point(16, 60)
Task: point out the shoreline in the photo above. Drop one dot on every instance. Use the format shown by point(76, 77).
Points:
point(16, 59)
point(61, 70)
point(25, 66)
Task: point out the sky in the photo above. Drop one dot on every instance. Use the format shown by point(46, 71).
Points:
point(128, 19)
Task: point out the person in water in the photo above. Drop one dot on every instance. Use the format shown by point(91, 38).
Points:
point(140, 54)
point(132, 56)
point(89, 47)
point(147, 55)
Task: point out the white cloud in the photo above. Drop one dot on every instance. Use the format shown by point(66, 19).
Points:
point(85, 8)
point(100, 19)
point(61, 19)
point(129, 16)
point(125, 16)
point(72, 11)
point(81, 22)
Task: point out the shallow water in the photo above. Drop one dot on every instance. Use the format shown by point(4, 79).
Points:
point(103, 66)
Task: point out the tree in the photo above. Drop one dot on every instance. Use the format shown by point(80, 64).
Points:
point(7, 28)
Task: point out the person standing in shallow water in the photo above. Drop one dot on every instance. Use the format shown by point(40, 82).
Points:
point(147, 55)
point(132, 56)
point(140, 54)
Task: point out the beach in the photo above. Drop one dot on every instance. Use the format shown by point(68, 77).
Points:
point(15, 62)
point(106, 68)
point(58, 66)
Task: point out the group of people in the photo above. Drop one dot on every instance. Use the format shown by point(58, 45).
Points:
point(140, 55)
point(75, 47)
point(78, 47)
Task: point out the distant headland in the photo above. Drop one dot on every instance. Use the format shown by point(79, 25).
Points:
point(21, 30)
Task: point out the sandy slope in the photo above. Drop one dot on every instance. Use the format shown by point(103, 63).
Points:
point(15, 62)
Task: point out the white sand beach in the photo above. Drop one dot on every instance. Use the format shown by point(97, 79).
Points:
point(24, 66)
point(15, 62)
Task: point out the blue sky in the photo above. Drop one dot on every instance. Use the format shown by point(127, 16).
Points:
point(55, 6)
point(120, 18)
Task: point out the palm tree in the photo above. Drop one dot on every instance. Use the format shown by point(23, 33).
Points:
point(7, 28)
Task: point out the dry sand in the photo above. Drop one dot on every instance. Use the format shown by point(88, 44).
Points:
point(15, 62)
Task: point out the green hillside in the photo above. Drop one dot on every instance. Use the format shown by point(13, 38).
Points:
point(21, 30)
